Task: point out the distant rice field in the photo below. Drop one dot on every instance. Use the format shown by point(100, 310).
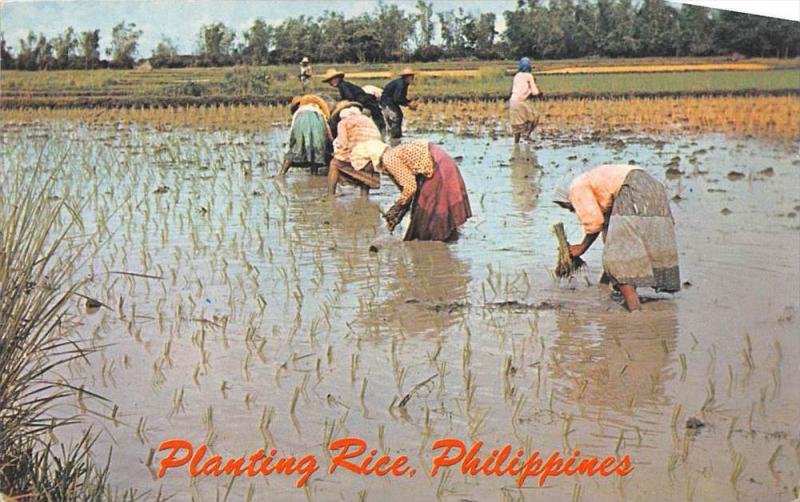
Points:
point(656, 68)
point(106, 88)
point(421, 73)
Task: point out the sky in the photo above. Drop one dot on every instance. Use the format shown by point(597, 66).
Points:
point(181, 20)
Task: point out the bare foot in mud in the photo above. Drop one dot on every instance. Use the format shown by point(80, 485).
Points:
point(631, 297)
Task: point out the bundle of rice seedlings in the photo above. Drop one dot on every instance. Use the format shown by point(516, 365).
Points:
point(566, 265)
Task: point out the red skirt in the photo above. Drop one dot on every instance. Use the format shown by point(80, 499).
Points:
point(441, 203)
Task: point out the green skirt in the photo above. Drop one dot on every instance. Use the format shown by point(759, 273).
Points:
point(308, 139)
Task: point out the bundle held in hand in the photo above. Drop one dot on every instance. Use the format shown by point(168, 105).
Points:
point(567, 265)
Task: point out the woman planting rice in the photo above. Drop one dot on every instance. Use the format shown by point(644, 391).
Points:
point(309, 135)
point(351, 92)
point(430, 185)
point(523, 117)
point(352, 127)
point(632, 210)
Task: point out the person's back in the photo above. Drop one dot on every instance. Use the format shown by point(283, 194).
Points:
point(349, 91)
point(352, 130)
point(394, 93)
point(523, 86)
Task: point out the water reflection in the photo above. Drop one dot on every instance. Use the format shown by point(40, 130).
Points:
point(428, 291)
point(525, 178)
point(614, 360)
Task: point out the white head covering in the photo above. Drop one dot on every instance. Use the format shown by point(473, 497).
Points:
point(368, 151)
point(349, 112)
point(563, 185)
point(561, 194)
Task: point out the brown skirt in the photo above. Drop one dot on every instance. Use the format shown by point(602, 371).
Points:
point(640, 247)
point(524, 118)
point(366, 177)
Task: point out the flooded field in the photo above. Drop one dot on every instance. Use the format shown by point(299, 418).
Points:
point(245, 311)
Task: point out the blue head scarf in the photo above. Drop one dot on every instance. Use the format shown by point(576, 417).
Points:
point(525, 65)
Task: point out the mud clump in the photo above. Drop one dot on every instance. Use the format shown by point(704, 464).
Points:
point(694, 423)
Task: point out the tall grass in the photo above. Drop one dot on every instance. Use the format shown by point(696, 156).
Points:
point(36, 270)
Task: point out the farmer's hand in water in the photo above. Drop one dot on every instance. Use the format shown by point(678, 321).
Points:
point(394, 215)
point(576, 250)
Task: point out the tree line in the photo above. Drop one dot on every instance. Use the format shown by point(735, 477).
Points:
point(555, 29)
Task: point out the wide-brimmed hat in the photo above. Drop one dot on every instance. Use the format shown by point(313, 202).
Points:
point(406, 71)
point(341, 105)
point(304, 60)
point(332, 73)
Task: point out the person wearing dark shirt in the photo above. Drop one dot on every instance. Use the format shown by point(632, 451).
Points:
point(351, 92)
point(395, 95)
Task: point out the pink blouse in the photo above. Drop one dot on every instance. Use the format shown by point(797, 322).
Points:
point(523, 87)
point(593, 192)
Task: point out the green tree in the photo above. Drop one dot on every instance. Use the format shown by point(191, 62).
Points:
point(43, 53)
point(124, 44)
point(616, 28)
point(35, 53)
point(695, 26)
point(64, 46)
point(6, 58)
point(459, 32)
point(584, 30)
point(333, 45)
point(215, 43)
point(527, 30)
point(298, 37)
point(364, 39)
point(258, 42)
point(484, 35)
point(755, 35)
point(424, 19)
point(396, 29)
point(165, 54)
point(89, 48)
point(657, 29)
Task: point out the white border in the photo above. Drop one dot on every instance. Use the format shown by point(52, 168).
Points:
point(784, 9)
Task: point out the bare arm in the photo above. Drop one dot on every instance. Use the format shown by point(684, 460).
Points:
point(578, 249)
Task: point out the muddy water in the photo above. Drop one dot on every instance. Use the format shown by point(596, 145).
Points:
point(266, 293)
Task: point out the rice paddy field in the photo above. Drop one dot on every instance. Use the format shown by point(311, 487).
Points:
point(436, 81)
point(242, 311)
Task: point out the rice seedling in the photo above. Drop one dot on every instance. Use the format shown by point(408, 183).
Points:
point(683, 367)
point(773, 458)
point(566, 265)
point(710, 397)
point(738, 461)
point(293, 403)
point(443, 487)
point(577, 492)
point(566, 429)
point(676, 413)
